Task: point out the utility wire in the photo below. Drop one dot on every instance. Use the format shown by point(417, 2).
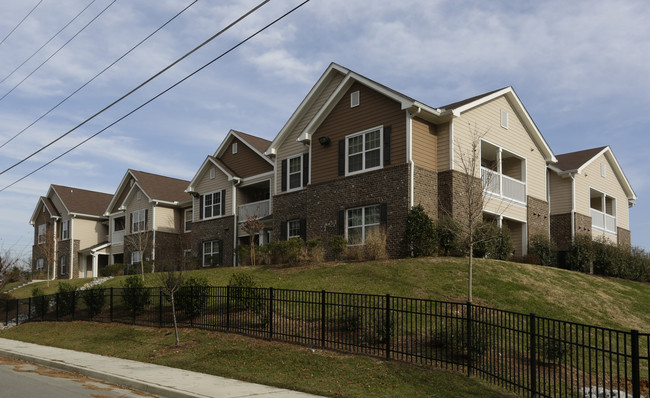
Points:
point(57, 51)
point(47, 42)
point(140, 85)
point(21, 22)
point(97, 75)
point(159, 94)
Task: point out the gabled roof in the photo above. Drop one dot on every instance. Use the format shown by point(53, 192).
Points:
point(81, 201)
point(49, 206)
point(256, 144)
point(211, 161)
point(576, 162)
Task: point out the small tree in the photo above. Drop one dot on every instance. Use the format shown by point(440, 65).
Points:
point(420, 236)
point(47, 251)
point(141, 242)
point(7, 264)
point(252, 226)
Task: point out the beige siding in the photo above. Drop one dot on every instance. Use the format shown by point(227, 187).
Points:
point(516, 236)
point(166, 220)
point(497, 206)
point(610, 185)
point(207, 185)
point(88, 232)
point(134, 204)
point(443, 146)
point(425, 145)
point(561, 199)
point(289, 147)
point(485, 120)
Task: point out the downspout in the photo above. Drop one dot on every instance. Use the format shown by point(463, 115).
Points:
point(153, 243)
point(573, 207)
point(409, 155)
point(55, 251)
point(235, 221)
point(71, 235)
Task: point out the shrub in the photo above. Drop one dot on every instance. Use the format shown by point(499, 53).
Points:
point(192, 298)
point(244, 254)
point(95, 299)
point(378, 331)
point(543, 250)
point(315, 250)
point(485, 237)
point(374, 247)
point(41, 302)
point(135, 296)
point(502, 248)
point(337, 245)
point(447, 231)
point(420, 235)
point(350, 319)
point(551, 350)
point(245, 293)
point(112, 270)
point(453, 340)
point(283, 252)
point(607, 258)
point(638, 265)
point(67, 298)
point(581, 253)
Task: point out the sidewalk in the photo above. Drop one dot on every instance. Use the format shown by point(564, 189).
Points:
point(154, 379)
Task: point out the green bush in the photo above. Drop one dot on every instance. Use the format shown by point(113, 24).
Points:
point(192, 297)
point(244, 254)
point(543, 250)
point(67, 298)
point(377, 330)
point(112, 270)
point(420, 236)
point(95, 298)
point(315, 250)
point(283, 252)
point(551, 350)
point(502, 248)
point(453, 340)
point(245, 293)
point(485, 238)
point(40, 301)
point(135, 296)
point(608, 259)
point(350, 319)
point(337, 245)
point(581, 253)
point(638, 265)
point(448, 231)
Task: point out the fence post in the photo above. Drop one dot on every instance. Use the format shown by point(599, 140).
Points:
point(228, 308)
point(532, 346)
point(29, 309)
point(387, 335)
point(56, 313)
point(468, 343)
point(270, 313)
point(323, 320)
point(636, 375)
point(111, 312)
point(191, 305)
point(160, 308)
point(74, 303)
point(43, 307)
point(17, 309)
point(6, 312)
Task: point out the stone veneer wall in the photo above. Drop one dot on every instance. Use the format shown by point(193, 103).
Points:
point(538, 220)
point(425, 190)
point(216, 229)
point(319, 204)
point(624, 237)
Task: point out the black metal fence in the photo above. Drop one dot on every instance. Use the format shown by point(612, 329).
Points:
point(533, 356)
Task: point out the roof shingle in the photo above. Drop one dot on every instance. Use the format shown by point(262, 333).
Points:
point(574, 160)
point(163, 188)
point(83, 201)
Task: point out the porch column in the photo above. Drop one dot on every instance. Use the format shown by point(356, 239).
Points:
point(95, 266)
point(500, 221)
point(499, 170)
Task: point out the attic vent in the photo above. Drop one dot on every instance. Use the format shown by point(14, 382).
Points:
point(234, 148)
point(354, 99)
point(504, 118)
point(603, 170)
point(138, 196)
point(212, 173)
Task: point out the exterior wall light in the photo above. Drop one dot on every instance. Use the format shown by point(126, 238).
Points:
point(324, 140)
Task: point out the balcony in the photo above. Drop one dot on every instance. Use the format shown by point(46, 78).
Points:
point(503, 186)
point(603, 221)
point(260, 209)
point(117, 237)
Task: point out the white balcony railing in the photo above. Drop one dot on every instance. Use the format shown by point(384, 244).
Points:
point(503, 186)
point(118, 237)
point(603, 221)
point(259, 209)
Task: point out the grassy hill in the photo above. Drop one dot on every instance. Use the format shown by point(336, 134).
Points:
point(525, 288)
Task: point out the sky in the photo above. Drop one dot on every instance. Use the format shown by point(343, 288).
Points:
point(581, 69)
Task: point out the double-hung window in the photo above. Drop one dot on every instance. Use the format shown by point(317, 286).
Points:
point(41, 233)
point(65, 230)
point(294, 175)
point(188, 220)
point(40, 264)
point(138, 221)
point(364, 150)
point(293, 229)
point(136, 257)
point(362, 222)
point(63, 265)
point(212, 204)
point(211, 253)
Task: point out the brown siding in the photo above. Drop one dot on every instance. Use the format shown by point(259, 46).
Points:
point(122, 196)
point(374, 110)
point(245, 162)
point(425, 144)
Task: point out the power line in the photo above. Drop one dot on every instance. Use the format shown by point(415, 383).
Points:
point(57, 51)
point(47, 42)
point(158, 95)
point(97, 75)
point(139, 86)
point(21, 21)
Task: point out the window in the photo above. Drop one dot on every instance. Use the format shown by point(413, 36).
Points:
point(139, 221)
point(40, 264)
point(212, 173)
point(234, 148)
point(136, 257)
point(138, 195)
point(188, 220)
point(295, 172)
point(211, 253)
point(118, 224)
point(504, 118)
point(603, 170)
point(354, 99)
point(364, 151)
point(212, 205)
point(41, 233)
point(65, 230)
point(293, 229)
point(63, 265)
point(187, 253)
point(361, 222)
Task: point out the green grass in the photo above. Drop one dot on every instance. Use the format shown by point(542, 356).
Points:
point(548, 292)
point(282, 365)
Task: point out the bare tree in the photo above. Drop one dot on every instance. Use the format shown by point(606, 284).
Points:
point(141, 242)
point(46, 249)
point(8, 261)
point(252, 226)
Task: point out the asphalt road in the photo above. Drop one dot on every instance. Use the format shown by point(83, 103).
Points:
point(22, 379)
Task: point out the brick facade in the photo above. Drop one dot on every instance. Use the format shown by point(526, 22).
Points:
point(425, 190)
point(538, 220)
point(452, 193)
point(320, 204)
point(623, 237)
point(582, 224)
point(216, 229)
point(72, 266)
point(561, 231)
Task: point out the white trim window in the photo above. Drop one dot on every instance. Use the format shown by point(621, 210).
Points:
point(504, 118)
point(234, 148)
point(364, 151)
point(294, 174)
point(63, 265)
point(187, 253)
point(293, 229)
point(65, 230)
point(138, 221)
point(212, 204)
point(41, 233)
point(40, 264)
point(361, 222)
point(188, 220)
point(136, 257)
point(210, 253)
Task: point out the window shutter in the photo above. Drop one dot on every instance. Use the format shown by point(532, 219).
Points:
point(283, 230)
point(341, 222)
point(223, 202)
point(305, 169)
point(201, 207)
point(303, 229)
point(342, 157)
point(284, 175)
point(387, 130)
point(131, 224)
point(383, 211)
point(220, 256)
point(146, 219)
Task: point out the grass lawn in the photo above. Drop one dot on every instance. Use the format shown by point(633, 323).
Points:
point(282, 365)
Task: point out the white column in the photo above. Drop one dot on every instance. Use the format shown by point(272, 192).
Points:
point(95, 266)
